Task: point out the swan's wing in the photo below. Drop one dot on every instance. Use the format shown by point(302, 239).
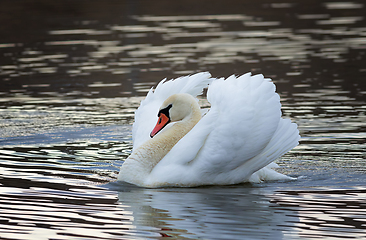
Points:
point(230, 142)
point(146, 114)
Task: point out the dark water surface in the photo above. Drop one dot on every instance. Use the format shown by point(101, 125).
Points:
point(72, 74)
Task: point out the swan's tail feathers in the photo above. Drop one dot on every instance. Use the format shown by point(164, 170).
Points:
point(268, 174)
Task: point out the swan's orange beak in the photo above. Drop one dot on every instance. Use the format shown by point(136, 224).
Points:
point(162, 122)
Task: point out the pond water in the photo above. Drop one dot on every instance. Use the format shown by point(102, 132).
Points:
point(72, 74)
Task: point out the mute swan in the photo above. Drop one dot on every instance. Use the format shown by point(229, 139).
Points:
point(235, 141)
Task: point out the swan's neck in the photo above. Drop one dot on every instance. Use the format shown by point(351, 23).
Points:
point(142, 161)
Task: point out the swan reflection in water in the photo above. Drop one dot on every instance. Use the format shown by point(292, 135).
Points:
point(228, 212)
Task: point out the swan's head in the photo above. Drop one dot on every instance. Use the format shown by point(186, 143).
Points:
point(175, 108)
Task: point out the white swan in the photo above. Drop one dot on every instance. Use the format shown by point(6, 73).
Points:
point(235, 141)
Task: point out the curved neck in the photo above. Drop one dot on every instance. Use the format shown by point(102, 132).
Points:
point(152, 151)
point(142, 161)
point(166, 140)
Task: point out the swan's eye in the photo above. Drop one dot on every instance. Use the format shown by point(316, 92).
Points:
point(165, 110)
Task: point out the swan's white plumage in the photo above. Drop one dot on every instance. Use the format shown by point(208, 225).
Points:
point(242, 133)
